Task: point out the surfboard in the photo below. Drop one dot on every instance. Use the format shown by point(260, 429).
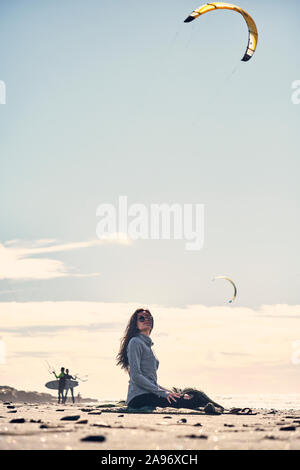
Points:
point(53, 385)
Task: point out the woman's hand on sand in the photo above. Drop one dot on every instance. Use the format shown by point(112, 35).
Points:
point(173, 396)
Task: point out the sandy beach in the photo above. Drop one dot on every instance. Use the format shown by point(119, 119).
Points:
point(65, 427)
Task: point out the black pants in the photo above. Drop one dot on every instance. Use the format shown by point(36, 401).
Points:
point(72, 394)
point(151, 399)
point(60, 392)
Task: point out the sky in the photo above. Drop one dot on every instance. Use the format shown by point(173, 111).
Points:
point(109, 99)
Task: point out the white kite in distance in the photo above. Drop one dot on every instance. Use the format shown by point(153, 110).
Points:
point(233, 284)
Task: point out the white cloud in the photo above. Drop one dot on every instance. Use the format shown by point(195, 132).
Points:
point(18, 261)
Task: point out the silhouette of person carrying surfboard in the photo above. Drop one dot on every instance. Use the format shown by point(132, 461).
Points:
point(68, 385)
point(61, 384)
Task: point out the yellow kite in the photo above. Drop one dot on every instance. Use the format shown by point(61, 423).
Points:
point(253, 34)
point(233, 284)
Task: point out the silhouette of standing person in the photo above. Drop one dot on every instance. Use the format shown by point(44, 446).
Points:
point(69, 377)
point(61, 384)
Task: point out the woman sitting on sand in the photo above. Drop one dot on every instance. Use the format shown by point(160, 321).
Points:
point(138, 359)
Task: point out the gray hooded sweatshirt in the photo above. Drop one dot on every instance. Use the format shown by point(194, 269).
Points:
point(142, 368)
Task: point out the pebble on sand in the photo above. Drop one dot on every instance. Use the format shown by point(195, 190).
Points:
point(49, 426)
point(70, 418)
point(101, 425)
point(288, 428)
point(183, 420)
point(18, 420)
point(93, 439)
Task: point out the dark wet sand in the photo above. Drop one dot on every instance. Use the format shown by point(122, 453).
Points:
point(160, 430)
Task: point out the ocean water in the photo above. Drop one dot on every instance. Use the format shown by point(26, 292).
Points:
point(263, 401)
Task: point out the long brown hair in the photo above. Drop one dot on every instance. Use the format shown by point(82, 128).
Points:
point(131, 331)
